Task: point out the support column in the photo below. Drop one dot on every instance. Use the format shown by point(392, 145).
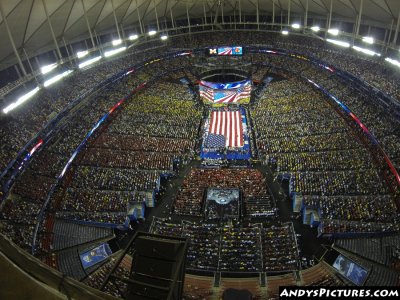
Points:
point(37, 61)
point(240, 11)
point(258, 16)
point(72, 49)
point(51, 30)
point(205, 14)
point(115, 19)
point(359, 18)
point(389, 37)
point(71, 57)
point(100, 46)
point(384, 40)
point(188, 18)
point(396, 33)
point(18, 72)
point(30, 65)
point(222, 12)
point(306, 15)
point(273, 11)
point(329, 17)
point(87, 24)
point(288, 15)
point(172, 17)
point(140, 21)
point(155, 10)
point(234, 15)
point(66, 48)
point(12, 40)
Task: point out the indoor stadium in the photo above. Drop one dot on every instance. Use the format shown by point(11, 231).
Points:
point(199, 149)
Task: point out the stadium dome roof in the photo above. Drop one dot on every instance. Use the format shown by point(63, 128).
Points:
point(30, 21)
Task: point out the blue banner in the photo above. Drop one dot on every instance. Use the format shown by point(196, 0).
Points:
point(95, 255)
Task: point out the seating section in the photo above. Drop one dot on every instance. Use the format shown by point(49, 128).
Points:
point(156, 131)
point(274, 282)
point(197, 287)
point(189, 200)
point(250, 284)
point(97, 278)
point(299, 133)
point(69, 264)
point(68, 234)
point(382, 250)
point(320, 275)
point(279, 248)
point(296, 130)
point(235, 247)
point(241, 249)
point(378, 275)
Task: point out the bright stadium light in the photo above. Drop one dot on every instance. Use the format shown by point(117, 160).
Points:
point(315, 28)
point(285, 32)
point(296, 25)
point(368, 39)
point(164, 37)
point(81, 54)
point(366, 51)
point(393, 61)
point(21, 100)
point(113, 52)
point(339, 43)
point(48, 68)
point(116, 42)
point(333, 31)
point(56, 78)
point(152, 32)
point(89, 62)
point(133, 37)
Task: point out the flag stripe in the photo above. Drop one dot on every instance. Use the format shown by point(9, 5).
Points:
point(228, 129)
point(234, 139)
point(229, 124)
point(240, 131)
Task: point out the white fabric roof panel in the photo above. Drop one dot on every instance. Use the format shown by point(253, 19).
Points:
point(30, 29)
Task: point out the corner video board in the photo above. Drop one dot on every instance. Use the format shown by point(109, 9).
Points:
point(95, 255)
point(352, 271)
point(226, 51)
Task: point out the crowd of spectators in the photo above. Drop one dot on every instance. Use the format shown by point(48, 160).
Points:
point(117, 288)
point(189, 199)
point(377, 118)
point(298, 132)
point(20, 126)
point(280, 239)
point(36, 182)
point(235, 247)
point(119, 163)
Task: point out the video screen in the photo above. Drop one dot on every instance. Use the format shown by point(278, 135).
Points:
point(223, 51)
point(95, 255)
point(225, 93)
point(352, 271)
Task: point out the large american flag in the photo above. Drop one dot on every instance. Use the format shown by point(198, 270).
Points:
point(225, 96)
point(228, 124)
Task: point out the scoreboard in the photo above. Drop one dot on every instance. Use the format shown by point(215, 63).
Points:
point(225, 51)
